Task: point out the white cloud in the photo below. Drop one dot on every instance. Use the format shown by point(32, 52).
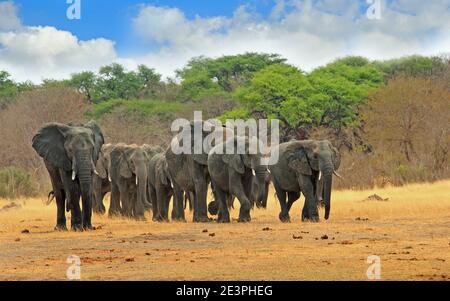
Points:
point(36, 53)
point(8, 16)
point(308, 33)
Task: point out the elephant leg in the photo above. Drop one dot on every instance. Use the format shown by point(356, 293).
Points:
point(221, 199)
point(87, 213)
point(244, 212)
point(76, 218)
point(178, 208)
point(154, 198)
point(281, 196)
point(125, 199)
point(60, 209)
point(161, 195)
point(309, 212)
point(292, 198)
point(114, 207)
point(200, 208)
point(138, 208)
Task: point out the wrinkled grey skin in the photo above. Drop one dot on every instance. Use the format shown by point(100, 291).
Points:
point(70, 154)
point(189, 172)
point(101, 184)
point(129, 179)
point(160, 187)
point(232, 175)
point(151, 151)
point(297, 171)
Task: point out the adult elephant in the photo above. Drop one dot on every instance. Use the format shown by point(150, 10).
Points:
point(160, 187)
point(101, 183)
point(189, 168)
point(129, 176)
point(232, 174)
point(300, 168)
point(70, 154)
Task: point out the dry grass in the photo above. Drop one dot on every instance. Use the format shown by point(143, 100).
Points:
point(410, 233)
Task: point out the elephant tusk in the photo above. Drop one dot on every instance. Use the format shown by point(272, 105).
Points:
point(171, 185)
point(94, 168)
point(253, 172)
point(74, 175)
point(320, 175)
point(137, 181)
point(268, 171)
point(109, 178)
point(337, 175)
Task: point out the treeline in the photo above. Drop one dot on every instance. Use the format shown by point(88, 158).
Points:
point(389, 118)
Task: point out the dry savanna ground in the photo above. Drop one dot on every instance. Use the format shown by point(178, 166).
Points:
point(410, 233)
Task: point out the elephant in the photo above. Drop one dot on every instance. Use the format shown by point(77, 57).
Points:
point(129, 177)
point(70, 154)
point(257, 199)
point(101, 183)
point(305, 167)
point(160, 187)
point(151, 151)
point(189, 171)
point(232, 175)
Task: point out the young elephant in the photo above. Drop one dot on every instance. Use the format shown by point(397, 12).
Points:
point(129, 177)
point(160, 187)
point(305, 166)
point(232, 175)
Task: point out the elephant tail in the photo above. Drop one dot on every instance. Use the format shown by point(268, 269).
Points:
point(50, 198)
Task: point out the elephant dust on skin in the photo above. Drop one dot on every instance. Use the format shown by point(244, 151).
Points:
point(70, 153)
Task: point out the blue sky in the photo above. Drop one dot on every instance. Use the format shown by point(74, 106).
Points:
point(112, 19)
point(38, 41)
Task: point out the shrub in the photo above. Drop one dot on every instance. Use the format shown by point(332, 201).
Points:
point(15, 182)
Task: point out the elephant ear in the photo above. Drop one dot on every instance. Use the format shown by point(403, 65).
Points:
point(234, 161)
point(49, 144)
point(99, 139)
point(124, 168)
point(100, 166)
point(298, 162)
point(336, 156)
point(162, 173)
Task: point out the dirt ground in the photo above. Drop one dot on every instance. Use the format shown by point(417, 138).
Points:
point(410, 233)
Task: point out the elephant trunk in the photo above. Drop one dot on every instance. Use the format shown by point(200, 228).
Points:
point(261, 173)
point(84, 170)
point(141, 182)
point(326, 174)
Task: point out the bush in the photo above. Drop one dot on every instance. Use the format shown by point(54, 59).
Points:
point(15, 182)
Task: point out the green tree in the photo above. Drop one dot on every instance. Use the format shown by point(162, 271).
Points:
point(227, 73)
point(8, 89)
point(415, 65)
point(114, 82)
point(150, 80)
point(85, 82)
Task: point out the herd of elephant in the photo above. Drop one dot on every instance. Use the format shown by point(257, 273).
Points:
point(148, 177)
